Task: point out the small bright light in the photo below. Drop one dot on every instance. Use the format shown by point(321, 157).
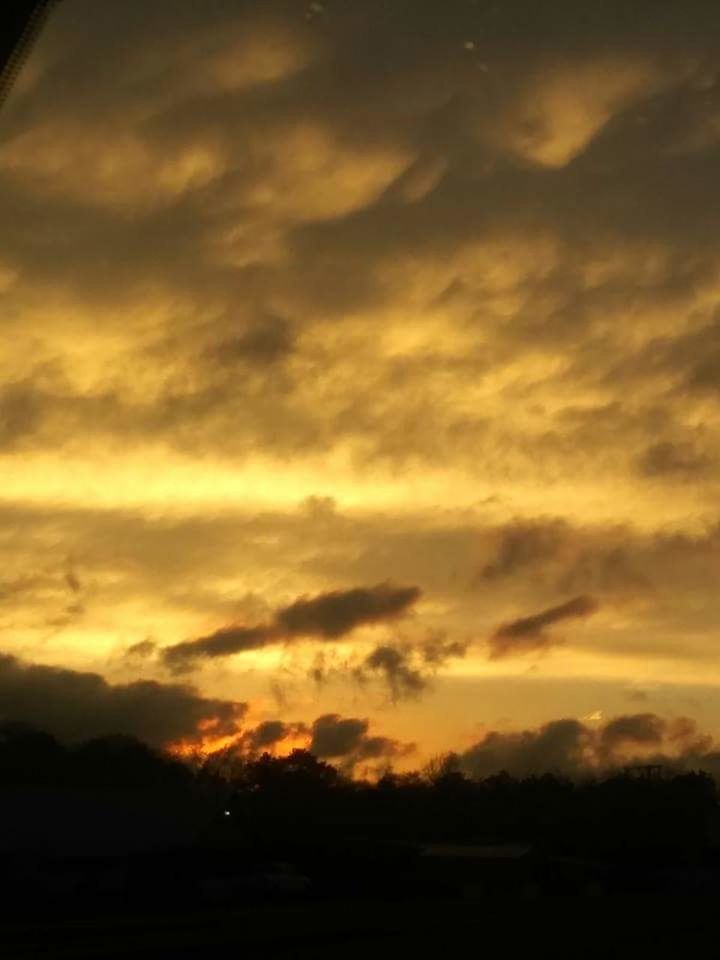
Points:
point(226, 812)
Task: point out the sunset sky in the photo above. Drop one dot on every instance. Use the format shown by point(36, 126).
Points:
point(361, 361)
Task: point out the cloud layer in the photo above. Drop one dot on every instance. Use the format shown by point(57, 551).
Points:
point(297, 299)
point(346, 742)
point(74, 705)
point(573, 748)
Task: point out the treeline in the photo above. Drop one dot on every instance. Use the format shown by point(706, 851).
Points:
point(33, 758)
point(622, 814)
point(281, 806)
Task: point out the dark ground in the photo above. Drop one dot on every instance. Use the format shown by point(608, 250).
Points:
point(554, 925)
point(108, 850)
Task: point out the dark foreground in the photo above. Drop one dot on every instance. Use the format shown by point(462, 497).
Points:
point(108, 850)
point(637, 926)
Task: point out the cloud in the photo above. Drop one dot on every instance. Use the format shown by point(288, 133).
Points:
point(571, 103)
point(666, 459)
point(334, 736)
point(332, 615)
point(436, 650)
point(393, 664)
point(523, 545)
point(328, 616)
point(141, 650)
point(345, 740)
point(663, 582)
point(261, 129)
point(639, 728)
point(267, 341)
point(529, 633)
point(21, 410)
point(267, 736)
point(222, 643)
point(559, 746)
point(72, 579)
point(267, 733)
point(75, 705)
point(575, 749)
point(407, 668)
point(458, 273)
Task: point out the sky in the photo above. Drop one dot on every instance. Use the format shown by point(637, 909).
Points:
point(361, 375)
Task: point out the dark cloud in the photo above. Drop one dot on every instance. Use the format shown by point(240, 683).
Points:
point(328, 616)
point(436, 650)
point(553, 554)
point(345, 741)
point(575, 749)
point(75, 705)
point(642, 729)
point(407, 668)
point(222, 643)
point(523, 545)
point(21, 411)
point(666, 459)
point(266, 342)
point(335, 736)
point(268, 735)
point(394, 665)
point(73, 580)
point(604, 560)
point(529, 633)
point(332, 615)
point(141, 650)
point(557, 746)
point(404, 667)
